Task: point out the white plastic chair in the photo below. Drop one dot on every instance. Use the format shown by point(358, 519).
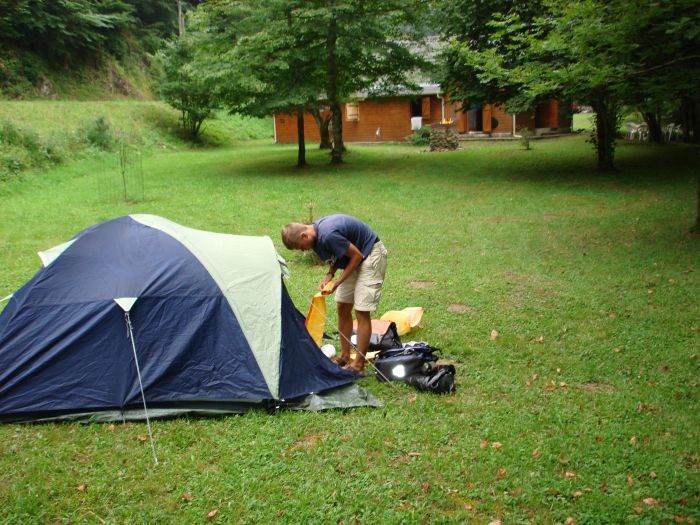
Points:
point(632, 130)
point(643, 132)
point(670, 131)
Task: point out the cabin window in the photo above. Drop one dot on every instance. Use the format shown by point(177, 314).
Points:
point(352, 112)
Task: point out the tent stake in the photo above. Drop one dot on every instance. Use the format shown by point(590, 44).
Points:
point(143, 396)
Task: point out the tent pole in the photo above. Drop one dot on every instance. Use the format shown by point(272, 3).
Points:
point(143, 396)
point(6, 298)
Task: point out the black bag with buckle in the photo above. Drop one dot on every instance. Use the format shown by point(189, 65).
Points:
point(415, 363)
point(440, 380)
point(412, 358)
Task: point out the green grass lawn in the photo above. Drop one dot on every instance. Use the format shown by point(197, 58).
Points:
point(584, 406)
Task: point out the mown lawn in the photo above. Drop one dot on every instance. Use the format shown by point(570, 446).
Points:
point(584, 406)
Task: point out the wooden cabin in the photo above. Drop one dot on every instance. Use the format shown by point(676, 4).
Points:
point(380, 119)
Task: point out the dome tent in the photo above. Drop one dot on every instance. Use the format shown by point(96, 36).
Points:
point(139, 308)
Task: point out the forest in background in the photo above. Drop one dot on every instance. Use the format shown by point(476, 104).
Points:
point(83, 49)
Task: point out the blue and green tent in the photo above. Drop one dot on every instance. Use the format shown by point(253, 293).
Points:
point(141, 316)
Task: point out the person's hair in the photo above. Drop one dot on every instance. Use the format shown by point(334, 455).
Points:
point(291, 234)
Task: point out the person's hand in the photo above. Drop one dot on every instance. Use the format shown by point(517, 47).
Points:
point(329, 288)
point(324, 286)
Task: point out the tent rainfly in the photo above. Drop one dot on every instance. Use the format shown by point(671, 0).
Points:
point(139, 316)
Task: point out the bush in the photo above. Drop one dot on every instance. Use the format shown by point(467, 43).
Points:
point(99, 134)
point(421, 136)
point(22, 149)
point(525, 135)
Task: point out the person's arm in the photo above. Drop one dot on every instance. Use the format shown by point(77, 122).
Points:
point(355, 258)
point(329, 276)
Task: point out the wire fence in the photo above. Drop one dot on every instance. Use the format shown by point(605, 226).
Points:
point(121, 175)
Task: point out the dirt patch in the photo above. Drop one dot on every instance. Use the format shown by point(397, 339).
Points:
point(421, 284)
point(307, 442)
point(594, 386)
point(458, 308)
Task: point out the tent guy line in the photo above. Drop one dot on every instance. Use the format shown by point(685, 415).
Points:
point(130, 335)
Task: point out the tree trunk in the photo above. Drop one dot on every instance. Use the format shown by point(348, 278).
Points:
point(606, 117)
point(180, 19)
point(301, 155)
point(697, 216)
point(655, 132)
point(323, 124)
point(332, 71)
point(690, 119)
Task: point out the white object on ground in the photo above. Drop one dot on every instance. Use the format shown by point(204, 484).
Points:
point(328, 350)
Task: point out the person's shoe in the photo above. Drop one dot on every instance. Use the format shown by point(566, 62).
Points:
point(354, 367)
point(340, 361)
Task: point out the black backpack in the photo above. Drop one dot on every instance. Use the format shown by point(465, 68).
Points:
point(440, 380)
point(415, 364)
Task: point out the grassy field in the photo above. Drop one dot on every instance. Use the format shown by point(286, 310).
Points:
point(584, 405)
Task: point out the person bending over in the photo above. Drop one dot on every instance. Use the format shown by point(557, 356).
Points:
point(350, 245)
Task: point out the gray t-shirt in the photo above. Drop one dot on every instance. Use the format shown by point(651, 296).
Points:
point(334, 234)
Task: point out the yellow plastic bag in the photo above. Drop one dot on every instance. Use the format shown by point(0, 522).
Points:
point(316, 318)
point(406, 319)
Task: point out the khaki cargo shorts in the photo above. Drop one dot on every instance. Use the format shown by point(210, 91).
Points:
point(363, 287)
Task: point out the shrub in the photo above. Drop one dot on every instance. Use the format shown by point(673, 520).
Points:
point(99, 134)
point(525, 135)
point(421, 136)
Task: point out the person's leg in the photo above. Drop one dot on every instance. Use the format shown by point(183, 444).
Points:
point(345, 330)
point(364, 332)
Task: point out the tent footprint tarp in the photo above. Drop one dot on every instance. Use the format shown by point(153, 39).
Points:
point(214, 329)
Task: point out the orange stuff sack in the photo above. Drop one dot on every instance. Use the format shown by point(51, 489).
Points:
point(406, 319)
point(316, 318)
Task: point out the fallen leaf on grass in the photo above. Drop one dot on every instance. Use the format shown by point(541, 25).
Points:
point(212, 514)
point(650, 501)
point(633, 440)
point(81, 488)
point(496, 445)
point(604, 487)
point(425, 487)
point(630, 480)
point(540, 339)
point(652, 475)
point(141, 438)
point(187, 496)
point(111, 428)
point(501, 472)
point(617, 350)
point(570, 474)
point(495, 522)
point(494, 335)
point(536, 453)
point(570, 521)
point(638, 510)
point(577, 494)
point(483, 443)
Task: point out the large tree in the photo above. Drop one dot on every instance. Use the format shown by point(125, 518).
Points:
point(593, 51)
point(288, 55)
